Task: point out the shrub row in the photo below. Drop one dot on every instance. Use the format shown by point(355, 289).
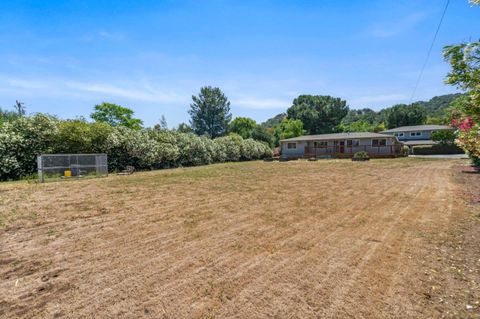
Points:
point(23, 139)
point(437, 149)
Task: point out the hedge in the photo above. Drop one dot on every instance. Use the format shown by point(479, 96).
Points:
point(437, 149)
point(21, 140)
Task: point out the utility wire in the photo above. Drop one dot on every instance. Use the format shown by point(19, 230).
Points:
point(429, 52)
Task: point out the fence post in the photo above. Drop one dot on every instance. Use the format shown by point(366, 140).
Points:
point(41, 177)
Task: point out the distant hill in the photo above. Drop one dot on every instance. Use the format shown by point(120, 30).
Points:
point(437, 105)
point(435, 109)
point(274, 120)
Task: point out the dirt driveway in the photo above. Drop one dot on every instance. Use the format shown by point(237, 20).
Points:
point(330, 239)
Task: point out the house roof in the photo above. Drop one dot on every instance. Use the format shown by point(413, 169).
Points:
point(418, 128)
point(418, 142)
point(336, 136)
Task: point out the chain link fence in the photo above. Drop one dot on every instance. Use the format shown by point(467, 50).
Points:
point(66, 166)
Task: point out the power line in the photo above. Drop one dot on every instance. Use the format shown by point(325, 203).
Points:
point(429, 52)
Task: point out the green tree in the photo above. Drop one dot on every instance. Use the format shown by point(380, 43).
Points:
point(184, 128)
point(242, 126)
point(162, 124)
point(6, 116)
point(464, 60)
point(210, 112)
point(274, 121)
point(79, 136)
point(357, 126)
point(319, 114)
point(443, 136)
point(405, 115)
point(259, 133)
point(20, 108)
point(288, 128)
point(116, 115)
point(366, 115)
point(379, 127)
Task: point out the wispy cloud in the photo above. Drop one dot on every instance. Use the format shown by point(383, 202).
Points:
point(393, 28)
point(97, 90)
point(109, 35)
point(102, 35)
point(128, 92)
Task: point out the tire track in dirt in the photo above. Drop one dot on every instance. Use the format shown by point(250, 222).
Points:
point(326, 258)
point(414, 209)
point(138, 267)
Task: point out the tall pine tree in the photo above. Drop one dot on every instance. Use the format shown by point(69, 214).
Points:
point(210, 112)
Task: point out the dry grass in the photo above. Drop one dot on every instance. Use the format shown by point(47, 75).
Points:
point(295, 239)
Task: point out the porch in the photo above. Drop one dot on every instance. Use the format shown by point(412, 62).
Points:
point(343, 151)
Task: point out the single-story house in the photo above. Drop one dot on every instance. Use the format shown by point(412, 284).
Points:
point(417, 134)
point(341, 145)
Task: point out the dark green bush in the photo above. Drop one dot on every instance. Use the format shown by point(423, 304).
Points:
point(437, 149)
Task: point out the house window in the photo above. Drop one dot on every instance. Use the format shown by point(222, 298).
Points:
point(321, 144)
point(291, 146)
point(399, 134)
point(352, 143)
point(412, 134)
point(379, 142)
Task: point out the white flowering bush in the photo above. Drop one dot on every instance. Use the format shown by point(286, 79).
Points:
point(194, 150)
point(166, 151)
point(22, 139)
point(232, 145)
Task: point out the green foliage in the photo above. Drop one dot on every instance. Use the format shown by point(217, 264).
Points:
point(21, 140)
point(464, 60)
point(274, 121)
point(25, 137)
point(406, 115)
point(379, 127)
point(259, 133)
point(6, 116)
point(288, 128)
point(436, 120)
point(361, 154)
point(437, 149)
point(184, 128)
point(248, 128)
point(116, 115)
point(436, 108)
point(242, 126)
point(365, 115)
point(443, 136)
point(320, 114)
point(194, 150)
point(357, 126)
point(79, 136)
point(20, 108)
point(210, 112)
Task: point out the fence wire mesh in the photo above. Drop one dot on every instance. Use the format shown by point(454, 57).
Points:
point(64, 166)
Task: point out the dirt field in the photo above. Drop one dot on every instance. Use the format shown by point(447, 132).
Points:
point(386, 238)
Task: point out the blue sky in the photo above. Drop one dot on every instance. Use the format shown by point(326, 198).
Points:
point(63, 57)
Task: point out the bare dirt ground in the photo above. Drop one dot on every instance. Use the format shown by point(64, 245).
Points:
point(332, 239)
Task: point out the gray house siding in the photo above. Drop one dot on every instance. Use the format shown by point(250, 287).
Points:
point(415, 132)
point(407, 135)
point(296, 152)
point(364, 144)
